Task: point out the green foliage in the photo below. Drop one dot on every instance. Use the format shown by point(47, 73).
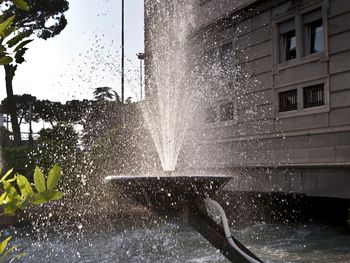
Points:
point(59, 144)
point(24, 107)
point(7, 29)
point(105, 93)
point(13, 200)
point(3, 244)
point(17, 158)
point(45, 190)
point(4, 25)
point(4, 60)
point(21, 4)
point(20, 19)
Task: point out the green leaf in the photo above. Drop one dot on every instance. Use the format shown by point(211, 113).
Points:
point(22, 44)
point(6, 24)
point(39, 180)
point(54, 176)
point(2, 198)
point(8, 31)
point(56, 195)
point(11, 249)
point(40, 198)
point(25, 201)
point(6, 175)
point(21, 4)
point(11, 192)
point(5, 60)
point(11, 207)
point(44, 197)
point(24, 186)
point(3, 244)
point(20, 55)
point(16, 39)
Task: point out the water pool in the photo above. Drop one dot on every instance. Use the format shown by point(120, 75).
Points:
point(178, 242)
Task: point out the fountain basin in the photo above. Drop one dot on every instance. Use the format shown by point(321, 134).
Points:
point(167, 191)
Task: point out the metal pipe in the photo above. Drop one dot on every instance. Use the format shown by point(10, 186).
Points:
point(210, 203)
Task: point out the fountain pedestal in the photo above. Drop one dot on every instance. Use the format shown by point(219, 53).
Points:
point(169, 191)
point(173, 192)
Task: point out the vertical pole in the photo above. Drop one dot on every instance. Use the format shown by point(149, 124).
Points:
point(122, 87)
point(141, 77)
point(141, 57)
point(30, 138)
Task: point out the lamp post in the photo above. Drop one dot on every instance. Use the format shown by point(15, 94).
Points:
point(122, 77)
point(141, 56)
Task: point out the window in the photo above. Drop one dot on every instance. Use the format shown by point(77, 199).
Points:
point(202, 2)
point(301, 36)
point(288, 43)
point(226, 59)
point(210, 115)
point(313, 33)
point(313, 96)
point(288, 100)
point(209, 59)
point(227, 111)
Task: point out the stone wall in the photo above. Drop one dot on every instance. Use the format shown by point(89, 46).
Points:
point(260, 135)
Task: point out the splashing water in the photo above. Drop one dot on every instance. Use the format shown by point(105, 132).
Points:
point(168, 110)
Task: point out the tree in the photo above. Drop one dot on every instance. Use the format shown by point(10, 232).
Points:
point(41, 18)
point(105, 94)
point(77, 111)
point(50, 111)
point(24, 108)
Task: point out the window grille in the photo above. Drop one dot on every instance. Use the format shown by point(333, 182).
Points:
point(288, 100)
point(227, 111)
point(210, 115)
point(314, 96)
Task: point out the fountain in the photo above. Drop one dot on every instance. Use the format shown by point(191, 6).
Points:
point(169, 106)
point(168, 112)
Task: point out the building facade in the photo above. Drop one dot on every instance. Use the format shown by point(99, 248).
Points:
point(278, 113)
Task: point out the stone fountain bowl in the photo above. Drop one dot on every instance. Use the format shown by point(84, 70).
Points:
point(167, 191)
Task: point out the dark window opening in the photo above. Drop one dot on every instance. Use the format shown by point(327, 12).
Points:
point(288, 100)
point(314, 96)
point(288, 43)
point(316, 37)
point(227, 111)
point(210, 115)
point(313, 32)
point(226, 59)
point(209, 59)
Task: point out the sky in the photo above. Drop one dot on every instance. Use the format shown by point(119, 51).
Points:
point(85, 55)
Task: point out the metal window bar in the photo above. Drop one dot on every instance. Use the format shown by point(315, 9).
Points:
point(227, 111)
point(314, 96)
point(288, 100)
point(211, 115)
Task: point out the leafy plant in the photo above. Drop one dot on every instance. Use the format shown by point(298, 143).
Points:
point(45, 190)
point(19, 193)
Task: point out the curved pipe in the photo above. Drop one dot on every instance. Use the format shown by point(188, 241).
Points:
point(211, 203)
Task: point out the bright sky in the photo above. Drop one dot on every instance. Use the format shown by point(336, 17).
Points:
point(85, 55)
